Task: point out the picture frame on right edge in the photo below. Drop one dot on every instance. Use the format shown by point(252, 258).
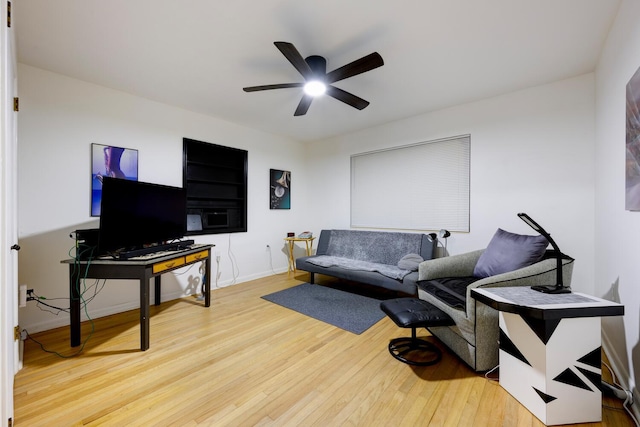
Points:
point(632, 145)
point(279, 189)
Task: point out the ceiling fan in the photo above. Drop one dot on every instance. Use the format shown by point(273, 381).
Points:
point(316, 79)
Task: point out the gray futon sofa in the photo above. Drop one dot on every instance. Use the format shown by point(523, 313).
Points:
point(385, 259)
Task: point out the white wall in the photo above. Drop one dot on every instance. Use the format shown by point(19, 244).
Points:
point(531, 151)
point(59, 119)
point(554, 151)
point(617, 231)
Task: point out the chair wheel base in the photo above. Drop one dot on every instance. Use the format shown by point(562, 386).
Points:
point(427, 353)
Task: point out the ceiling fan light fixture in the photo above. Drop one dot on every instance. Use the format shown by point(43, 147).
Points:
point(317, 81)
point(315, 88)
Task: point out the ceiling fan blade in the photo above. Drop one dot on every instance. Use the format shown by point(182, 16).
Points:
point(347, 98)
point(291, 53)
point(269, 87)
point(359, 66)
point(303, 106)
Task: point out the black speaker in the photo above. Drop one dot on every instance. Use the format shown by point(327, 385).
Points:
point(87, 243)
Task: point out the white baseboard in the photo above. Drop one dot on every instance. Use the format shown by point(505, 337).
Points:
point(62, 321)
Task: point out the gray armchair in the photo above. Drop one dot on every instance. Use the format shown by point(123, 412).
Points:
point(474, 337)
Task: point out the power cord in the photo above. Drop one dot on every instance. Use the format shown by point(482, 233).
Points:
point(76, 267)
point(271, 260)
point(32, 296)
point(235, 271)
point(218, 272)
point(621, 393)
point(203, 276)
point(488, 376)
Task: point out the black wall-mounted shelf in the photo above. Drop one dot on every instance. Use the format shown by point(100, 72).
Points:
point(215, 178)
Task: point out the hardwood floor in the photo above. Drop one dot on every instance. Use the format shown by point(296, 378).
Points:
point(245, 362)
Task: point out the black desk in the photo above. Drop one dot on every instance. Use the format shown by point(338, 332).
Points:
point(142, 268)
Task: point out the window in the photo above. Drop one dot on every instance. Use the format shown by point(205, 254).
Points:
point(422, 186)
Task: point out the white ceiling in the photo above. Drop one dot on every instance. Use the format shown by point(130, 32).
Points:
point(199, 54)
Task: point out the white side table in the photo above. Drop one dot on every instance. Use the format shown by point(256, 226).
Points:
point(550, 350)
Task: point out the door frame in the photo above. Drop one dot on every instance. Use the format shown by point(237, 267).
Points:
point(9, 346)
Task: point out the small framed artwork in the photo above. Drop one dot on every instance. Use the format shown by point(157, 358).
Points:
point(114, 162)
point(279, 189)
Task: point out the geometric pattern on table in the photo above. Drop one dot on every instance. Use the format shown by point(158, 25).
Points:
point(553, 369)
point(593, 358)
point(570, 377)
point(509, 347)
point(523, 293)
point(545, 397)
point(594, 377)
point(543, 328)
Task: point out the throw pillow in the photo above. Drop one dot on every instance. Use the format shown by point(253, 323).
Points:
point(410, 262)
point(508, 251)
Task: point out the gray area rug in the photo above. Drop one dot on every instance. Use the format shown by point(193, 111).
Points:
point(351, 312)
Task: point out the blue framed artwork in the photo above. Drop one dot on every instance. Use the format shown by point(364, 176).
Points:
point(279, 189)
point(115, 162)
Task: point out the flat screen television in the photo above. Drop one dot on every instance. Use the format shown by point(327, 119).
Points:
point(136, 215)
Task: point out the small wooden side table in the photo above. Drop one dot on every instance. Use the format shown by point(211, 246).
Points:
point(291, 241)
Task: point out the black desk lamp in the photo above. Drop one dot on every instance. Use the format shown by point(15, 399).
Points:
point(443, 234)
point(559, 287)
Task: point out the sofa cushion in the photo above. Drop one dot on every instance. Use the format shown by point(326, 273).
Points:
point(353, 264)
point(373, 246)
point(452, 290)
point(508, 251)
point(410, 262)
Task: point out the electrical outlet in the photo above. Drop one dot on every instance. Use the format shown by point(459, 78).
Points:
point(22, 296)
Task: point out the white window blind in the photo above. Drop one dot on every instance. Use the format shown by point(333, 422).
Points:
point(422, 186)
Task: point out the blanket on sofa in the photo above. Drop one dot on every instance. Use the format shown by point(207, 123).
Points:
point(352, 264)
point(373, 246)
